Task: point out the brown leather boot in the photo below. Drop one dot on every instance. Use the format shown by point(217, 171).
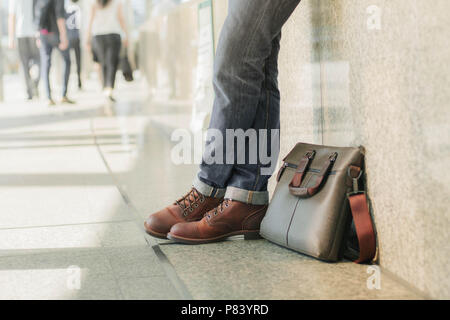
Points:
point(230, 218)
point(191, 207)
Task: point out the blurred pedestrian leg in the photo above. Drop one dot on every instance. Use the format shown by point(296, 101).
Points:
point(74, 44)
point(48, 43)
point(20, 27)
point(50, 18)
point(73, 24)
point(29, 56)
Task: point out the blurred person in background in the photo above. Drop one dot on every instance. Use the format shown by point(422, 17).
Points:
point(73, 24)
point(20, 27)
point(49, 18)
point(106, 23)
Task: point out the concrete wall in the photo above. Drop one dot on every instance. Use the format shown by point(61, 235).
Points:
point(372, 73)
point(375, 73)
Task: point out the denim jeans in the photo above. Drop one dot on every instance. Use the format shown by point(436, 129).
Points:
point(75, 44)
point(48, 43)
point(246, 94)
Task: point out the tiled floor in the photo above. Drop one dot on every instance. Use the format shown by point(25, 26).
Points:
point(76, 183)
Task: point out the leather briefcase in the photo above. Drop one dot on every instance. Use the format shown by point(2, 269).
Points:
point(317, 188)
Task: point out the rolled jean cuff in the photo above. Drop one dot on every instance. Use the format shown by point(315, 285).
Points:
point(208, 190)
point(247, 196)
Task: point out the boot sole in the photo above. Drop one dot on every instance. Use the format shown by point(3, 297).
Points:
point(248, 235)
point(154, 233)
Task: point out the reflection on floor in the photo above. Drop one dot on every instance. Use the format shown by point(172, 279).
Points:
point(76, 183)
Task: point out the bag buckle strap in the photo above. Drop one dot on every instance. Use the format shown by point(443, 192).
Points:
point(310, 154)
point(355, 174)
point(333, 157)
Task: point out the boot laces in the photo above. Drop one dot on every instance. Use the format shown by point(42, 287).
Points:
point(220, 208)
point(189, 201)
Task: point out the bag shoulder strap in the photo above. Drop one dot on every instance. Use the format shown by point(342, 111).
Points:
point(363, 221)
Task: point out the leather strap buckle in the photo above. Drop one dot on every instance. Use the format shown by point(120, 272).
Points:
point(352, 193)
point(310, 154)
point(355, 174)
point(333, 157)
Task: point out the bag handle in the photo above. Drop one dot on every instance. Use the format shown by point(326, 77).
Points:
point(302, 167)
point(304, 192)
point(361, 217)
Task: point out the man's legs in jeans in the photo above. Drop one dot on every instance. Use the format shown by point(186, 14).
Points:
point(247, 96)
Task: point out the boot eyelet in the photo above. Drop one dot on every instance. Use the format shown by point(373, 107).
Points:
point(191, 209)
point(195, 205)
point(185, 214)
point(202, 200)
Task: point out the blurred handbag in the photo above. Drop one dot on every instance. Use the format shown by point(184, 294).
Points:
point(125, 66)
point(319, 191)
